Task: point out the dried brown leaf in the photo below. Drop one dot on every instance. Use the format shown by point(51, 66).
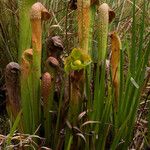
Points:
point(115, 59)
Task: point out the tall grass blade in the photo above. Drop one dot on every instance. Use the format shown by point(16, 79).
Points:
point(14, 127)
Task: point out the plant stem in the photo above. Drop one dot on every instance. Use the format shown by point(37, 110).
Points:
point(38, 13)
point(52, 65)
point(84, 13)
point(103, 20)
point(26, 90)
point(24, 26)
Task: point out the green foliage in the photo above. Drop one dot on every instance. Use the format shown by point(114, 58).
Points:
point(14, 127)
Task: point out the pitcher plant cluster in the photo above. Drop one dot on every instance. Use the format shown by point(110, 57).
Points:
point(84, 100)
